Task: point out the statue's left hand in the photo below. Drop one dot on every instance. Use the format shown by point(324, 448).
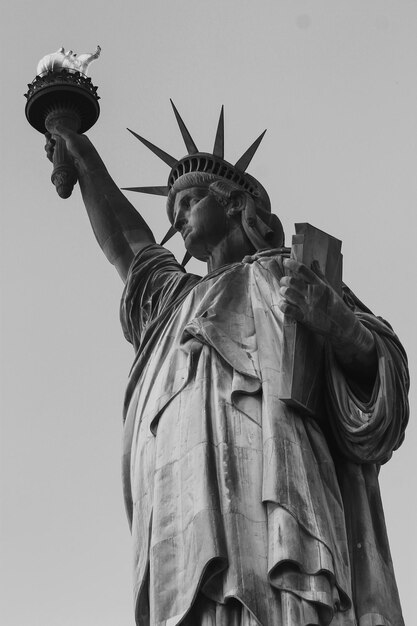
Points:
point(308, 298)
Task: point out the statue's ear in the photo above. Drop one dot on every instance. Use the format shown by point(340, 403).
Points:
point(243, 203)
point(237, 203)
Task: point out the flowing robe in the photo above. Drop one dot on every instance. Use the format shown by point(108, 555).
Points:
point(230, 493)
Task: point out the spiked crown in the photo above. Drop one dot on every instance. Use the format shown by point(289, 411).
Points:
point(211, 164)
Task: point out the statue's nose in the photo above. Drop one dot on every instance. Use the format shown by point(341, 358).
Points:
point(179, 221)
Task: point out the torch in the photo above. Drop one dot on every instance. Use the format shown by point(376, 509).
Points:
point(62, 94)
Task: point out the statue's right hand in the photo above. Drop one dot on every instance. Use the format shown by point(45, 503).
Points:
point(49, 146)
point(79, 146)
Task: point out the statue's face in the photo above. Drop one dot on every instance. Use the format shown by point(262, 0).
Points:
point(201, 220)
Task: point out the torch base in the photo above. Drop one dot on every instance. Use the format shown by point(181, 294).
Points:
point(65, 89)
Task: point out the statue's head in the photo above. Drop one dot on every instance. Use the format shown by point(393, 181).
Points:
point(225, 195)
point(204, 208)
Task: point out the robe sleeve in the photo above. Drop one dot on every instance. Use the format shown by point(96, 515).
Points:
point(368, 429)
point(154, 283)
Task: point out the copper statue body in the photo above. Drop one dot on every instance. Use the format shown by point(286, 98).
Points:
point(245, 510)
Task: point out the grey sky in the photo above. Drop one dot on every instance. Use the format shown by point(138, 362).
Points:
point(334, 82)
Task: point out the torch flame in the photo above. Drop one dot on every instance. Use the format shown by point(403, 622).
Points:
point(61, 59)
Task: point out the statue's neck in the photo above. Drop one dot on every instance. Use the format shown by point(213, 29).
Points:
point(230, 250)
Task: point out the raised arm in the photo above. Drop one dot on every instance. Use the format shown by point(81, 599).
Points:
point(119, 229)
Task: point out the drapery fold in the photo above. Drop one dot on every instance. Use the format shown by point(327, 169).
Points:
point(368, 431)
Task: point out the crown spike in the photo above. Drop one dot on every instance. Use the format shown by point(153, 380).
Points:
point(188, 140)
point(246, 158)
point(186, 258)
point(169, 235)
point(167, 158)
point(218, 149)
point(155, 190)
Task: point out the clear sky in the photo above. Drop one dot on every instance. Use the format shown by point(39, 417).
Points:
point(335, 84)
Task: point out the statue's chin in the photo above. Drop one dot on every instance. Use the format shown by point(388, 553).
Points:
point(196, 255)
point(192, 246)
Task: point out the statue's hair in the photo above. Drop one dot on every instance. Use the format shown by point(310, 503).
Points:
point(263, 228)
point(223, 190)
point(222, 187)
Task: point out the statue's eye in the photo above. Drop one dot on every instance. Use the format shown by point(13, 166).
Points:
point(184, 203)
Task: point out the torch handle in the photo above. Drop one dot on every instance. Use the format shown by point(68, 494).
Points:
point(64, 175)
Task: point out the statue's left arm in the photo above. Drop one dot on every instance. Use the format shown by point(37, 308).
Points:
point(308, 298)
point(366, 373)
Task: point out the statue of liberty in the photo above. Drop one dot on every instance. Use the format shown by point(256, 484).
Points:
point(244, 509)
